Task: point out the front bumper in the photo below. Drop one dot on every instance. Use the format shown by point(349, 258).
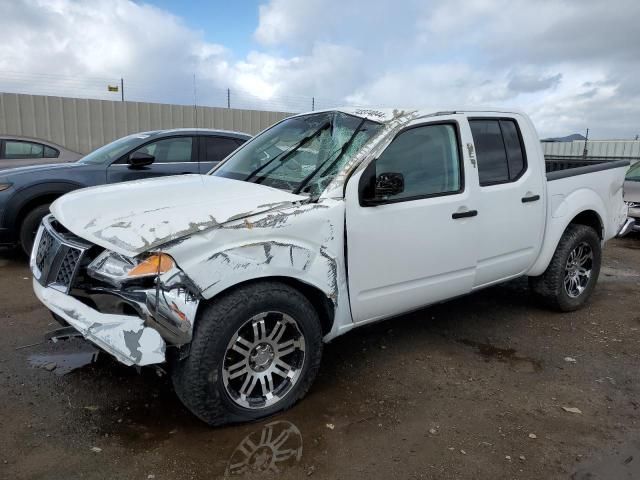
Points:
point(134, 324)
point(123, 336)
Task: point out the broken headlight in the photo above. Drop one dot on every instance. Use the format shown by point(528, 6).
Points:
point(116, 269)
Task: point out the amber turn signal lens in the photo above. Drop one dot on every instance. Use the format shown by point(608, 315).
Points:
point(155, 264)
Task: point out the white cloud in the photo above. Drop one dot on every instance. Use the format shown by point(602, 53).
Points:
point(571, 64)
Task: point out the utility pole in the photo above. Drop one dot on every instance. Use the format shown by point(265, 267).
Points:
point(585, 152)
point(313, 103)
point(228, 98)
point(122, 89)
point(195, 101)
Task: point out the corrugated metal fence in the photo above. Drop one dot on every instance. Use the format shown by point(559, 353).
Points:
point(613, 149)
point(83, 125)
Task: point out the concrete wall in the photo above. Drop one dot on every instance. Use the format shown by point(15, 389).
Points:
point(83, 125)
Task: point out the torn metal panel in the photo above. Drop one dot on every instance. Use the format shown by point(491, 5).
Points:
point(123, 336)
point(303, 242)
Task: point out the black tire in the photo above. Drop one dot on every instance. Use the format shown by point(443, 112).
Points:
point(198, 379)
point(29, 227)
point(550, 286)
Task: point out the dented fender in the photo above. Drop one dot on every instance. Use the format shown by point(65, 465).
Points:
point(303, 242)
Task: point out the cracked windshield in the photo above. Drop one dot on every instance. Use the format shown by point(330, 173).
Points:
point(301, 154)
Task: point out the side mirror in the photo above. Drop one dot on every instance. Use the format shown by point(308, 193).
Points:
point(388, 184)
point(374, 190)
point(140, 159)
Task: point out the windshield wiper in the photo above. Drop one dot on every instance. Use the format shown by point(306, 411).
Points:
point(343, 149)
point(286, 154)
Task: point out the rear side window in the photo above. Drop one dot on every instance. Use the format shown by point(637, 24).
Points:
point(498, 150)
point(16, 149)
point(50, 152)
point(217, 148)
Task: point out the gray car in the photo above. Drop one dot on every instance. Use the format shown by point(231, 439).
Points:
point(632, 199)
point(24, 151)
point(26, 192)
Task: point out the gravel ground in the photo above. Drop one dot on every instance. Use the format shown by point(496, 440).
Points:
point(474, 388)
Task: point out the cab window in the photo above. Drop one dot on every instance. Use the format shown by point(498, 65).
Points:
point(428, 160)
point(499, 150)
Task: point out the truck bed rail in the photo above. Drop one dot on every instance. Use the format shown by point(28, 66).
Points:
point(557, 169)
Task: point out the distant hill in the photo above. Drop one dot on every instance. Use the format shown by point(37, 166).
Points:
point(568, 138)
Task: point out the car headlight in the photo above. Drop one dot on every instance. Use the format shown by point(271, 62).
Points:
point(117, 269)
point(4, 185)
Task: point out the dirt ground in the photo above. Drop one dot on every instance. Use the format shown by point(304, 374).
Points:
point(474, 388)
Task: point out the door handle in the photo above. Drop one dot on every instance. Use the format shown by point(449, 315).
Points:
point(468, 213)
point(532, 198)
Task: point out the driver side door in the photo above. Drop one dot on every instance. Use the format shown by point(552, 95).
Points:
point(411, 240)
point(171, 156)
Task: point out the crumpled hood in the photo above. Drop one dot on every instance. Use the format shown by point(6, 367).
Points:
point(133, 217)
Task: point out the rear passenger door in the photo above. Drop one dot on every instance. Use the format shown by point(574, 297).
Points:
point(510, 197)
point(172, 156)
point(213, 149)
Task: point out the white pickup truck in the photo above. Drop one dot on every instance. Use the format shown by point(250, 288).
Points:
point(320, 224)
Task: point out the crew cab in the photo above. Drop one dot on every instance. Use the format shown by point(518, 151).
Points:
point(324, 222)
point(26, 192)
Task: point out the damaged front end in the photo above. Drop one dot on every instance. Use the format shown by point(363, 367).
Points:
point(130, 307)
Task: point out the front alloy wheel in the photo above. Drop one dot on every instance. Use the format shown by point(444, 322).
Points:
point(263, 360)
point(255, 351)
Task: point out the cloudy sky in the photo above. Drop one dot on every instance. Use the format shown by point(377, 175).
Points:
point(570, 64)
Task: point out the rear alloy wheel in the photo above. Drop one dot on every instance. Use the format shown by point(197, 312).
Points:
point(572, 274)
point(255, 351)
point(578, 270)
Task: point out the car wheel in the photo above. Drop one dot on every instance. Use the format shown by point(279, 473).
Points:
point(255, 351)
point(573, 272)
point(29, 227)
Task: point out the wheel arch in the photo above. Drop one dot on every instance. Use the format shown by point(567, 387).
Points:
point(27, 199)
point(319, 299)
point(589, 217)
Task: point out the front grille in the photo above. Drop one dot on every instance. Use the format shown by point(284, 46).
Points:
point(68, 266)
point(58, 256)
point(44, 249)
